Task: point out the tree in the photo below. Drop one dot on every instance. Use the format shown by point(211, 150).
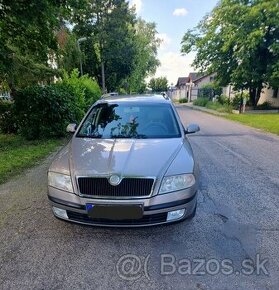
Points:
point(210, 90)
point(125, 46)
point(239, 41)
point(145, 62)
point(28, 43)
point(26, 30)
point(68, 55)
point(109, 28)
point(36, 44)
point(159, 84)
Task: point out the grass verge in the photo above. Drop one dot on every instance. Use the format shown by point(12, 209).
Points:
point(219, 107)
point(204, 102)
point(16, 153)
point(266, 122)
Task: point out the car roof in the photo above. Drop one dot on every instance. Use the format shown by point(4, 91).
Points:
point(152, 98)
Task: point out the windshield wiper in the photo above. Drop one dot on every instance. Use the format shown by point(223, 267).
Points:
point(141, 136)
point(120, 137)
point(129, 137)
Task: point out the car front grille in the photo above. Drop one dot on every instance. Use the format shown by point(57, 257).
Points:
point(128, 187)
point(145, 220)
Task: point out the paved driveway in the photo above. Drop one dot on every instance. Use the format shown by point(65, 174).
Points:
point(237, 223)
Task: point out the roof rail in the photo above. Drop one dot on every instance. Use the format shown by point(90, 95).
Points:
point(107, 95)
point(165, 95)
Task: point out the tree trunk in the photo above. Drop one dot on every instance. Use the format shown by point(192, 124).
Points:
point(252, 93)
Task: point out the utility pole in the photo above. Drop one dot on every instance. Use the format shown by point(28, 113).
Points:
point(101, 42)
point(80, 58)
point(103, 78)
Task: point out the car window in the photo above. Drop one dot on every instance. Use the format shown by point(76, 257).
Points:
point(130, 121)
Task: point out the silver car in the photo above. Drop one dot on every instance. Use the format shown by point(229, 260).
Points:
point(129, 163)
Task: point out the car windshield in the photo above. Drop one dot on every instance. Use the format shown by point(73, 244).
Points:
point(109, 121)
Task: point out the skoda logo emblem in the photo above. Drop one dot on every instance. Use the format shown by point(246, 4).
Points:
point(114, 180)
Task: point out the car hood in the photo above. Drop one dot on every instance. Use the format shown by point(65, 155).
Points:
point(126, 157)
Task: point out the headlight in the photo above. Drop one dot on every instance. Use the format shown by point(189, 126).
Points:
point(177, 182)
point(60, 181)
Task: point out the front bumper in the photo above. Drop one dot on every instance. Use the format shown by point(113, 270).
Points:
point(155, 209)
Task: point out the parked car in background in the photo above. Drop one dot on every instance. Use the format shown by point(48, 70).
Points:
point(129, 163)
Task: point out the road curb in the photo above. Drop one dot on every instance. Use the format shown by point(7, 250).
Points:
point(202, 109)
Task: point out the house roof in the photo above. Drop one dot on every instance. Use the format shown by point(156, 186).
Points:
point(200, 77)
point(182, 81)
point(194, 75)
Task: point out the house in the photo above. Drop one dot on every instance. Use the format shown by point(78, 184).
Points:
point(203, 80)
point(199, 82)
point(181, 86)
point(180, 90)
point(193, 88)
point(270, 95)
point(184, 87)
point(188, 88)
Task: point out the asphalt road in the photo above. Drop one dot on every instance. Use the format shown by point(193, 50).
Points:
point(237, 223)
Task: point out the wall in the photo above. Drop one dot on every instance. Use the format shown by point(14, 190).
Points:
point(203, 81)
point(179, 94)
point(229, 92)
point(267, 96)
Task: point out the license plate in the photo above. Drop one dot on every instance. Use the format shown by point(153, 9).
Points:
point(114, 212)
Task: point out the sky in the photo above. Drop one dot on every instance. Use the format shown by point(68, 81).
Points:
point(173, 19)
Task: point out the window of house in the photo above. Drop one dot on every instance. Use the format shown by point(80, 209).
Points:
point(275, 93)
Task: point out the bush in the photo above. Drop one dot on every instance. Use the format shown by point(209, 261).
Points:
point(8, 123)
point(223, 100)
point(227, 108)
point(264, 106)
point(182, 101)
point(209, 90)
point(44, 112)
point(236, 100)
point(85, 87)
point(201, 102)
point(5, 106)
point(204, 102)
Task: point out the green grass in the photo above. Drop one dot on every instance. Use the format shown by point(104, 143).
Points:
point(16, 153)
point(200, 102)
point(219, 107)
point(204, 102)
point(266, 122)
point(182, 101)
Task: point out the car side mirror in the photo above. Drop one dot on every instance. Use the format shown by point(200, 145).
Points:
point(192, 128)
point(71, 128)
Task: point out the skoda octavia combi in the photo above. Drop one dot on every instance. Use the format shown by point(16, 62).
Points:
point(129, 163)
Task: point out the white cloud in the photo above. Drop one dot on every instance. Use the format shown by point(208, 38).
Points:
point(137, 4)
point(174, 65)
point(165, 40)
point(180, 12)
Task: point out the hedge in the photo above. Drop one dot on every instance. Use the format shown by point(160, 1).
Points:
point(8, 122)
point(43, 112)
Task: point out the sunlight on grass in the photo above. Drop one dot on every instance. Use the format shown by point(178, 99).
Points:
point(267, 122)
point(16, 153)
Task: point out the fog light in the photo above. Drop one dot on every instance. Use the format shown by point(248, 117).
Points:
point(60, 212)
point(176, 214)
